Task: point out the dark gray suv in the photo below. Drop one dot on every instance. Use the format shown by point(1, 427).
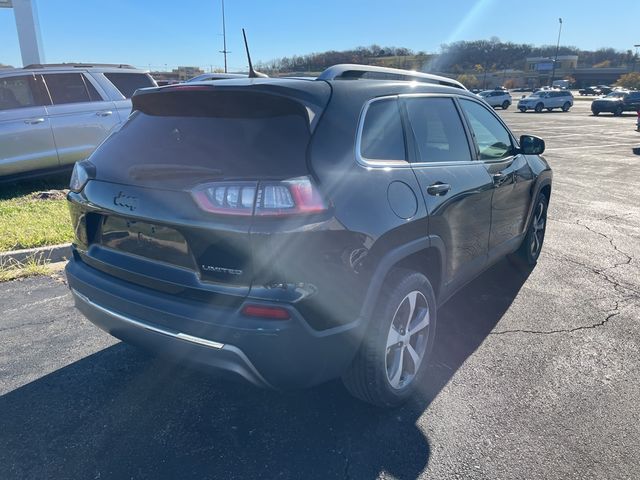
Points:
point(292, 231)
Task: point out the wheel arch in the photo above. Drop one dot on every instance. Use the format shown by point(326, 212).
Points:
point(425, 255)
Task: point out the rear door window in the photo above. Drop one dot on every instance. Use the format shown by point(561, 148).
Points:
point(382, 136)
point(70, 88)
point(438, 130)
point(128, 83)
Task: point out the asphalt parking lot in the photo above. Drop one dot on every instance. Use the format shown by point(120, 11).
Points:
point(535, 374)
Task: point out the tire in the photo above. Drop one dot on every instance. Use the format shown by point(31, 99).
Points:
point(539, 107)
point(531, 246)
point(505, 105)
point(522, 109)
point(566, 106)
point(618, 111)
point(595, 112)
point(383, 371)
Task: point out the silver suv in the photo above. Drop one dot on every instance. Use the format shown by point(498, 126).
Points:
point(496, 98)
point(54, 115)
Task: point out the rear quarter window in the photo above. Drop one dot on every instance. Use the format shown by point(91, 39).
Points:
point(128, 83)
point(382, 136)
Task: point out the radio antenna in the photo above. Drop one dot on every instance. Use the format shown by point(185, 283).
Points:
point(252, 72)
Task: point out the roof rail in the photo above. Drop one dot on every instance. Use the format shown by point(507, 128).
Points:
point(348, 71)
point(79, 65)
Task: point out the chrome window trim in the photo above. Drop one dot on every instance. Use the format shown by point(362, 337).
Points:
point(372, 163)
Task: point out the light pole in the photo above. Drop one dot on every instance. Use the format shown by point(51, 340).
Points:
point(224, 40)
point(635, 58)
point(553, 72)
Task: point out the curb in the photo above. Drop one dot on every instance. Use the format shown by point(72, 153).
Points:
point(54, 253)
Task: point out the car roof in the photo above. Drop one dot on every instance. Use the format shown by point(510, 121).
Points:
point(69, 67)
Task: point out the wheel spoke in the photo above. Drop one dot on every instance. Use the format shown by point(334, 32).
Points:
point(415, 358)
point(412, 306)
point(397, 369)
point(421, 324)
point(393, 338)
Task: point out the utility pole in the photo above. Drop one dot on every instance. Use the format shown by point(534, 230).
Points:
point(224, 40)
point(635, 58)
point(553, 72)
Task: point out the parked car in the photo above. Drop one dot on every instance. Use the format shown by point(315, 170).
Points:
point(590, 91)
point(616, 103)
point(292, 231)
point(548, 99)
point(605, 89)
point(54, 115)
point(497, 98)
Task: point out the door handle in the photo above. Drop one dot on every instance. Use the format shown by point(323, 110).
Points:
point(104, 113)
point(498, 178)
point(34, 121)
point(438, 189)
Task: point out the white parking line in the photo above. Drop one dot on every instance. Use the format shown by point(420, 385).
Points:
point(609, 145)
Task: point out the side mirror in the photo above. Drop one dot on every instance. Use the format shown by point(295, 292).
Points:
point(531, 145)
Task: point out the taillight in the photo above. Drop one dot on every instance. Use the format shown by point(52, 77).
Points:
point(265, 311)
point(287, 197)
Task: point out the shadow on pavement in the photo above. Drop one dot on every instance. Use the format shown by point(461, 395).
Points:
point(13, 189)
point(121, 414)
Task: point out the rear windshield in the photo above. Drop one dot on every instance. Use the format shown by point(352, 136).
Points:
point(223, 136)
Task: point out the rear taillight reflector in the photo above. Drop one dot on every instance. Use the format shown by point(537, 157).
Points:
point(288, 197)
point(264, 311)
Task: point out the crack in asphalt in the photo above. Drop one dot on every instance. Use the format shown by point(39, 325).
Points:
point(625, 290)
point(622, 288)
point(613, 313)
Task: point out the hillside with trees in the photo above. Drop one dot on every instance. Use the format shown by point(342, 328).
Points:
point(453, 58)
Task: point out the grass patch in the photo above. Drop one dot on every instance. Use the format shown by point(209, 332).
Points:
point(34, 214)
point(33, 266)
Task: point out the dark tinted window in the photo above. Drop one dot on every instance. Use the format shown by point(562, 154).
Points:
point(128, 83)
point(94, 96)
point(492, 138)
point(438, 130)
point(634, 96)
point(382, 137)
point(18, 92)
point(225, 135)
point(67, 88)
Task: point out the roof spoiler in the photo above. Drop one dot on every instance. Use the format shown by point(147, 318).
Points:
point(347, 71)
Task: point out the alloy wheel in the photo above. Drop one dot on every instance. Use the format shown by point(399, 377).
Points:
point(538, 225)
point(407, 340)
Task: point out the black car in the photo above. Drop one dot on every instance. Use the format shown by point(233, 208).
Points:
point(292, 231)
point(590, 91)
point(616, 103)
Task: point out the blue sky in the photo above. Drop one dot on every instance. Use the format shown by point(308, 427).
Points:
point(188, 32)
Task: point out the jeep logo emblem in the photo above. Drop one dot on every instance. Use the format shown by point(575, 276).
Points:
point(125, 201)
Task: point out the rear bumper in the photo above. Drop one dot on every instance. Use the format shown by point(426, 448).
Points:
point(279, 354)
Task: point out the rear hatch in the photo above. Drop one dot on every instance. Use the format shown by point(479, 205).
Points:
point(177, 187)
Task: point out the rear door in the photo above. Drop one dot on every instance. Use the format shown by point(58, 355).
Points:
point(510, 173)
point(26, 139)
point(633, 102)
point(457, 189)
point(80, 117)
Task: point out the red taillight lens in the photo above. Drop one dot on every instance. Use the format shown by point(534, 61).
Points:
point(264, 311)
point(288, 197)
point(227, 198)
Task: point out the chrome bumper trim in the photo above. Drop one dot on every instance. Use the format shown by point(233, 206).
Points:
point(169, 333)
